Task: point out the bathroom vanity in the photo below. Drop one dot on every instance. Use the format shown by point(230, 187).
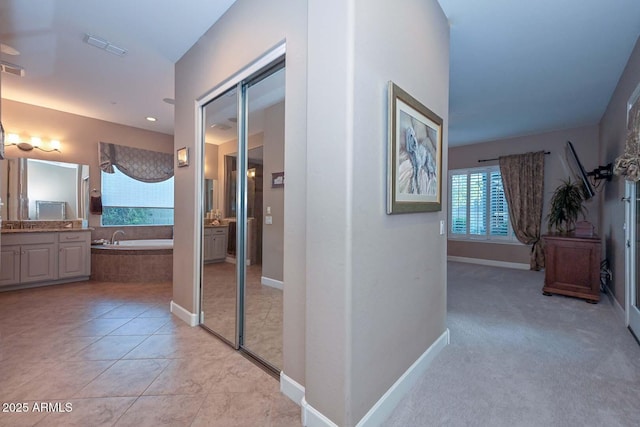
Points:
point(37, 257)
point(215, 243)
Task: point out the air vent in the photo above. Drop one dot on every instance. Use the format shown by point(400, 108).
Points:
point(7, 67)
point(221, 126)
point(103, 44)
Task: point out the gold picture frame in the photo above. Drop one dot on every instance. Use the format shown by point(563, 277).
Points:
point(414, 154)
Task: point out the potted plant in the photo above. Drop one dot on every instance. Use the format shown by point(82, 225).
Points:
point(566, 206)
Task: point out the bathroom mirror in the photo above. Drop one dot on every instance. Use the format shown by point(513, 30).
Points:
point(28, 185)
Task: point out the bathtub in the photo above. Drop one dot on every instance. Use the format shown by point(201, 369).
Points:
point(146, 244)
point(149, 260)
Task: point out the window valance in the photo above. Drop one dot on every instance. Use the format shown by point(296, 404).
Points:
point(136, 163)
point(628, 165)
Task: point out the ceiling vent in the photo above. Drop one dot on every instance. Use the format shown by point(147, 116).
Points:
point(221, 126)
point(105, 45)
point(7, 67)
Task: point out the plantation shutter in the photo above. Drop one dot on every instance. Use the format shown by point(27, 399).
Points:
point(459, 204)
point(498, 209)
point(477, 203)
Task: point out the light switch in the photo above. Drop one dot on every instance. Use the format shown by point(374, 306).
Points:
point(442, 227)
point(268, 210)
point(268, 220)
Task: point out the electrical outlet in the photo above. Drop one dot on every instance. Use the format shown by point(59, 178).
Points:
point(268, 220)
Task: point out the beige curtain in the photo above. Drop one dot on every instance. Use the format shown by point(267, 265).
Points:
point(523, 182)
point(628, 165)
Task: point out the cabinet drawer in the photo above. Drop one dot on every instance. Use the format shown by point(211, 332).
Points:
point(33, 238)
point(216, 230)
point(73, 236)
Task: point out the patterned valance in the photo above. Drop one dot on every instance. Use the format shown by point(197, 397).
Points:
point(136, 163)
point(628, 165)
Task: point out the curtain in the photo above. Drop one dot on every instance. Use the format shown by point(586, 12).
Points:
point(628, 165)
point(523, 182)
point(136, 163)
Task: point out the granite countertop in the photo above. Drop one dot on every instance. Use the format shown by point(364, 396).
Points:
point(40, 230)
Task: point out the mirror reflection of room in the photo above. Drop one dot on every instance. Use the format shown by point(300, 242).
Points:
point(43, 190)
point(262, 309)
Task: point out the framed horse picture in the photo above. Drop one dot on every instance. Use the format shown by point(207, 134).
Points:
point(414, 171)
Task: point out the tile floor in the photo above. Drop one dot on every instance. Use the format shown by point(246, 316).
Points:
point(263, 310)
point(114, 354)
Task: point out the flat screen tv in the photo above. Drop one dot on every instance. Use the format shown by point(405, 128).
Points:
point(578, 169)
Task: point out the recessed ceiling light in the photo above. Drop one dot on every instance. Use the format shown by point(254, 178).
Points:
point(152, 119)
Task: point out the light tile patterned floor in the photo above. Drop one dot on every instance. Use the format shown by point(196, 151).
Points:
point(114, 354)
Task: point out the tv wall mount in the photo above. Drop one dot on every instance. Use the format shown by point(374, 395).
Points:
point(602, 172)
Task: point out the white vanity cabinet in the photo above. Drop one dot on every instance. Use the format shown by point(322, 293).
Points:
point(74, 256)
point(215, 243)
point(9, 265)
point(43, 258)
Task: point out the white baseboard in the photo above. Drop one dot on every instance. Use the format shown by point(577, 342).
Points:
point(278, 284)
point(311, 417)
point(489, 262)
point(232, 260)
point(291, 388)
point(183, 314)
point(387, 403)
point(379, 412)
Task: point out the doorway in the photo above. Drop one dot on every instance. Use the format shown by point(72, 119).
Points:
point(241, 286)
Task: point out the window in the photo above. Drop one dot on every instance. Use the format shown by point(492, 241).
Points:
point(478, 207)
point(126, 201)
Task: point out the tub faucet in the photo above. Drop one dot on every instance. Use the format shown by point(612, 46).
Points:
point(113, 237)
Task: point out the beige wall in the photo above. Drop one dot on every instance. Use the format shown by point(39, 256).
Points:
point(79, 137)
point(211, 161)
point(273, 235)
point(376, 283)
point(228, 47)
point(612, 139)
point(342, 264)
point(585, 141)
point(228, 148)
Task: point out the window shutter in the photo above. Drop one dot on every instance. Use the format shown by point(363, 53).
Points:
point(458, 204)
point(477, 203)
point(498, 210)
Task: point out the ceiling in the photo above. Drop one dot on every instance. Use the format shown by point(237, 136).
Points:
point(64, 73)
point(525, 67)
point(517, 68)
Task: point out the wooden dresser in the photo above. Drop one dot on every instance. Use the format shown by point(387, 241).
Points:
point(572, 266)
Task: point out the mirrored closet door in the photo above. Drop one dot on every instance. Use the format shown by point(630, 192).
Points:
point(242, 291)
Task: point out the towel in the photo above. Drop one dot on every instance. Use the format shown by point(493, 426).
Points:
point(95, 205)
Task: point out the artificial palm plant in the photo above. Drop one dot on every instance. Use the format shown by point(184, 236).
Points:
point(566, 206)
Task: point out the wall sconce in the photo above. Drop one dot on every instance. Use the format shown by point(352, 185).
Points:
point(35, 142)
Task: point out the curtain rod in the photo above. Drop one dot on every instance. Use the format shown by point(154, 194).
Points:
point(490, 160)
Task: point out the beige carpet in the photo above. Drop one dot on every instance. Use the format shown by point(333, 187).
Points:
point(518, 358)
